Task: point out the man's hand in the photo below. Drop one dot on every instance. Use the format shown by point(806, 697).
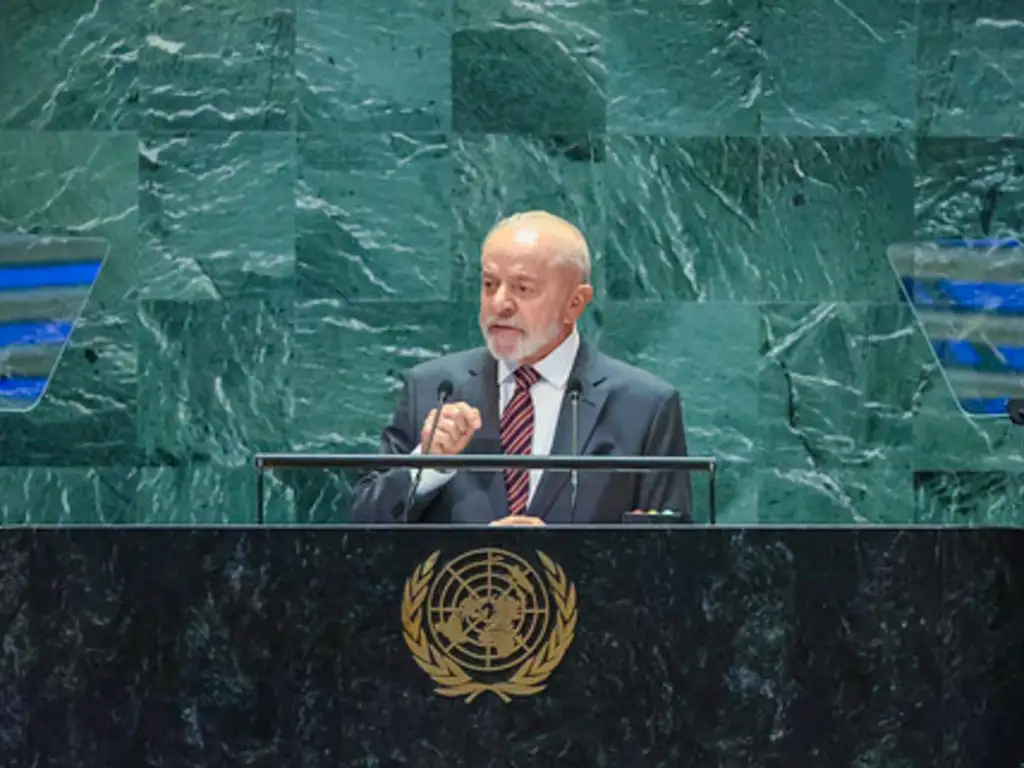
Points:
point(456, 427)
point(519, 520)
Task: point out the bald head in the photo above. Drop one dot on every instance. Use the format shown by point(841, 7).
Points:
point(553, 238)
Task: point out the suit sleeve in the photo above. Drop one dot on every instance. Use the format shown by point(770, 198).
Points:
point(379, 496)
point(666, 437)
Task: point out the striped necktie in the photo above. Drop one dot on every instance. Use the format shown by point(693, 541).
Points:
point(517, 437)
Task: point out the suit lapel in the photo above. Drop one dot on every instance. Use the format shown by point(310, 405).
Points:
point(481, 391)
point(587, 370)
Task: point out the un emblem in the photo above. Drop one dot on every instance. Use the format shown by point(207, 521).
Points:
point(488, 621)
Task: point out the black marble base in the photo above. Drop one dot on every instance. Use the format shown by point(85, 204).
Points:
point(694, 648)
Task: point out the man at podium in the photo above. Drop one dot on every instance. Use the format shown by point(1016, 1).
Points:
point(510, 396)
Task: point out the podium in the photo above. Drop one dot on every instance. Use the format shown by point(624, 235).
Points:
point(447, 646)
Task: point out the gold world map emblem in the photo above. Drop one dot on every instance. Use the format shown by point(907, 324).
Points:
point(488, 621)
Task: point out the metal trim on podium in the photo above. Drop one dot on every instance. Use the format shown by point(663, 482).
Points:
point(481, 463)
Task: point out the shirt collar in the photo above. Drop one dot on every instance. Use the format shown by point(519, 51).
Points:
point(555, 368)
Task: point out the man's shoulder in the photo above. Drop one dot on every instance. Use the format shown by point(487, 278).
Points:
point(636, 381)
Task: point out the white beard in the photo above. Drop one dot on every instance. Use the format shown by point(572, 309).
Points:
point(527, 346)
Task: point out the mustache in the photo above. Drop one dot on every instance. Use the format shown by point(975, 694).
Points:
point(490, 322)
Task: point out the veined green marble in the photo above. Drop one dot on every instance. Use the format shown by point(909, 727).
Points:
point(532, 68)
point(214, 65)
point(829, 209)
point(982, 95)
point(682, 218)
point(373, 66)
point(684, 69)
point(839, 69)
point(217, 215)
point(838, 385)
point(68, 495)
point(373, 216)
point(977, 498)
point(295, 193)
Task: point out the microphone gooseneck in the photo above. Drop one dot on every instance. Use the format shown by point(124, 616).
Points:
point(444, 391)
point(575, 390)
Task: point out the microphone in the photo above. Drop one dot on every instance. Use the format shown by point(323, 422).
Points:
point(575, 390)
point(444, 391)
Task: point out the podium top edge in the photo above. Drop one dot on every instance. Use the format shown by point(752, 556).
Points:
point(481, 462)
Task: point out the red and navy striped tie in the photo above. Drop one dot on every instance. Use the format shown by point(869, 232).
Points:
point(517, 437)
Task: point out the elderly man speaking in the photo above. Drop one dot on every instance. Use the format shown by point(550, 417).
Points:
point(510, 397)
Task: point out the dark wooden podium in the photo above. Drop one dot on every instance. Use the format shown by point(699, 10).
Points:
point(487, 647)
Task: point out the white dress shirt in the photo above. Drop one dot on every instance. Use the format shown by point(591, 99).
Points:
point(547, 395)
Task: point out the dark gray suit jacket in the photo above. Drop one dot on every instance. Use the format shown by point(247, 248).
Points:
point(623, 411)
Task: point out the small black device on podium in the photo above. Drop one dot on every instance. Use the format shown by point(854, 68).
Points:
point(653, 517)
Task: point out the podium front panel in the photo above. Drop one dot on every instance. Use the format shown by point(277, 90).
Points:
point(484, 647)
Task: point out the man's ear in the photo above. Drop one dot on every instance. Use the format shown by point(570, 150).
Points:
point(581, 297)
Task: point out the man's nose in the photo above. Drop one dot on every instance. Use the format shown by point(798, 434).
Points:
point(503, 301)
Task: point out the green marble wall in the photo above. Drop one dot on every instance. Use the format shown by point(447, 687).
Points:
point(295, 192)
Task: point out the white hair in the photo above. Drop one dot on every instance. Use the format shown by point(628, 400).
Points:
point(573, 249)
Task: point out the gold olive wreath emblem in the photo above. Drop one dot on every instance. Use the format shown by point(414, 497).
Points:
point(487, 621)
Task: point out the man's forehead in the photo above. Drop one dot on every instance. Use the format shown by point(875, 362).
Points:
point(516, 262)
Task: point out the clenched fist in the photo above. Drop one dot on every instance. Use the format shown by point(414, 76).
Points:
point(456, 427)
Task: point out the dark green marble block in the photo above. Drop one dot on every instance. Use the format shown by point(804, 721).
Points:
point(696, 647)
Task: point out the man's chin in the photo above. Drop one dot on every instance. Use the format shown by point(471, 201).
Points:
point(503, 337)
point(503, 352)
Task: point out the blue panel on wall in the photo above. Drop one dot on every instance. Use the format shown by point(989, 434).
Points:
point(30, 277)
point(968, 296)
point(33, 334)
point(44, 285)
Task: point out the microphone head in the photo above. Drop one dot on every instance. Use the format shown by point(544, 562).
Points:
point(574, 388)
point(445, 389)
